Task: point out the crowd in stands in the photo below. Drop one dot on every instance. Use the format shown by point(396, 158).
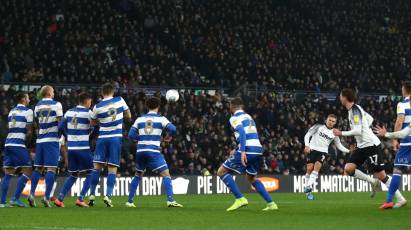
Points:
point(319, 45)
point(205, 139)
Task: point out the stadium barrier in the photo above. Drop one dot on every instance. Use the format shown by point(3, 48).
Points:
point(150, 186)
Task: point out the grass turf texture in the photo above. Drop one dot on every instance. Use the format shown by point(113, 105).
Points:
point(328, 211)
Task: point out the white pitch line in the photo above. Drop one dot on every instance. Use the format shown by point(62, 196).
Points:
point(11, 226)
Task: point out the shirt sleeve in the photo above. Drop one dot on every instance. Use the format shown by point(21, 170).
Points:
point(93, 113)
point(357, 124)
point(399, 134)
point(124, 104)
point(59, 110)
point(29, 116)
point(35, 112)
point(310, 133)
point(400, 108)
point(165, 122)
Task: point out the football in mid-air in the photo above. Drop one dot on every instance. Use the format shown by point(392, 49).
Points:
point(172, 95)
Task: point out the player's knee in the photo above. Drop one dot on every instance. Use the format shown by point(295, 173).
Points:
point(349, 169)
point(251, 179)
point(221, 171)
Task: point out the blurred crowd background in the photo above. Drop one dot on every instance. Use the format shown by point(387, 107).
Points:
point(290, 52)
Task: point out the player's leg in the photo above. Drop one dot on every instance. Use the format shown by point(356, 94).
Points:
point(358, 157)
point(24, 162)
point(394, 185)
point(5, 182)
point(113, 162)
point(85, 163)
point(309, 169)
point(133, 188)
point(99, 161)
point(141, 162)
point(259, 187)
point(21, 183)
point(233, 164)
point(51, 163)
point(168, 186)
point(35, 176)
point(68, 183)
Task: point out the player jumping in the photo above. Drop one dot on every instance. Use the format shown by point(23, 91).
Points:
point(76, 126)
point(245, 159)
point(316, 149)
point(109, 114)
point(48, 113)
point(146, 131)
point(368, 145)
point(16, 154)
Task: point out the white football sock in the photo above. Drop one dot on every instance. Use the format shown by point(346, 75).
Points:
point(362, 176)
point(313, 178)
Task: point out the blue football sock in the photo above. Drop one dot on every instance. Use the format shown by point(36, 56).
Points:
point(5, 187)
point(67, 186)
point(133, 188)
point(111, 182)
point(21, 183)
point(261, 189)
point(230, 183)
point(85, 188)
point(169, 188)
point(49, 178)
point(95, 177)
point(395, 184)
point(35, 177)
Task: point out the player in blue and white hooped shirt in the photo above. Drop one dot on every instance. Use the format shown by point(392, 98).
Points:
point(246, 158)
point(109, 114)
point(403, 155)
point(77, 128)
point(48, 113)
point(147, 131)
point(16, 155)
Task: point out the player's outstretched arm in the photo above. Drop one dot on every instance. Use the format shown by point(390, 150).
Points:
point(171, 129)
point(382, 132)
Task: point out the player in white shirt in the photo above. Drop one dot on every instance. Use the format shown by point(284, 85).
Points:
point(368, 145)
point(317, 141)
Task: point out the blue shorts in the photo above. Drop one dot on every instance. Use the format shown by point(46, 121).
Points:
point(403, 156)
point(15, 157)
point(47, 154)
point(79, 160)
point(152, 160)
point(108, 151)
point(234, 163)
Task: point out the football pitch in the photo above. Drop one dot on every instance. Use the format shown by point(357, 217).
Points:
point(328, 211)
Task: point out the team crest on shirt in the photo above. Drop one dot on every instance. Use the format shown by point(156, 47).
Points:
point(356, 119)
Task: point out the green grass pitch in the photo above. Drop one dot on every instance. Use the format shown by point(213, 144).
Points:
point(328, 211)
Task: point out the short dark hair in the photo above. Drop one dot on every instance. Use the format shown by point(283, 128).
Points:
point(349, 94)
point(153, 103)
point(83, 96)
point(237, 102)
point(332, 115)
point(407, 86)
point(20, 96)
point(107, 89)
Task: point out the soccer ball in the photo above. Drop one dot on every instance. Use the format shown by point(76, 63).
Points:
point(172, 95)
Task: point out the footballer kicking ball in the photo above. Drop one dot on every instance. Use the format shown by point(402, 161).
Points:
point(172, 95)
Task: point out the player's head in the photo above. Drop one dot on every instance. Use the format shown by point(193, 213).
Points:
point(107, 90)
point(153, 103)
point(47, 92)
point(22, 98)
point(406, 89)
point(84, 99)
point(331, 121)
point(236, 104)
point(347, 96)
